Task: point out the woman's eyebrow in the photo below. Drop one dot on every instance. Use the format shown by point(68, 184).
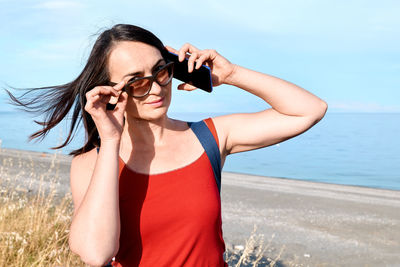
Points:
point(140, 72)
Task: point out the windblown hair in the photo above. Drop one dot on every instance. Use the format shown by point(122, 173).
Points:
point(55, 102)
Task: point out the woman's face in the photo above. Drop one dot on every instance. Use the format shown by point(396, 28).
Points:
point(135, 59)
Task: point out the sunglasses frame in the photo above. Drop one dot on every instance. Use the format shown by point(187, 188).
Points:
point(152, 79)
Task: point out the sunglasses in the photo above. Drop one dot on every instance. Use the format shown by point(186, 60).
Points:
point(140, 87)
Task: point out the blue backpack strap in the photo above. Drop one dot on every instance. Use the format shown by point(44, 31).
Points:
point(209, 144)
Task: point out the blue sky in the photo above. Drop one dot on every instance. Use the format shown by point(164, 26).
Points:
point(345, 52)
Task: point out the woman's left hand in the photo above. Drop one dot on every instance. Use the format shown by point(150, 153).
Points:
point(221, 68)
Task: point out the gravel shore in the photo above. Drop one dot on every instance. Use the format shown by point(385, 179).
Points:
point(305, 223)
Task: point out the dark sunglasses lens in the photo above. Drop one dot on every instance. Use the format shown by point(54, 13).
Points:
point(142, 86)
point(139, 87)
point(164, 75)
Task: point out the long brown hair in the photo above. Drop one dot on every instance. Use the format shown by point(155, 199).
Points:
point(55, 102)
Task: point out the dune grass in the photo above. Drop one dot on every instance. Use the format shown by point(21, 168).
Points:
point(252, 253)
point(35, 220)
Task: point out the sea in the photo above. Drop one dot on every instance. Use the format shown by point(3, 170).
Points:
point(360, 149)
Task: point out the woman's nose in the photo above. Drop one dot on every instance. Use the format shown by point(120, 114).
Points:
point(155, 89)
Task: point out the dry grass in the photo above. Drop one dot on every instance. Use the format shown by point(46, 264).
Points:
point(252, 254)
point(34, 221)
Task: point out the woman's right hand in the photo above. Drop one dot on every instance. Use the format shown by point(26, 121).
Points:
point(109, 123)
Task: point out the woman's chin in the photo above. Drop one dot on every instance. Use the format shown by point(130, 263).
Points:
point(153, 114)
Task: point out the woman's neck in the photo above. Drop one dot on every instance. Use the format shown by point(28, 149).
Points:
point(146, 132)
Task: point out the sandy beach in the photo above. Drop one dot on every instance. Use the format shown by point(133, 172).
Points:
point(305, 223)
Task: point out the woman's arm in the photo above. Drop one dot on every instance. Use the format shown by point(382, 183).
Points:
point(95, 227)
point(294, 110)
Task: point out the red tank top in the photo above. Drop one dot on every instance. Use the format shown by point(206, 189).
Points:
point(172, 218)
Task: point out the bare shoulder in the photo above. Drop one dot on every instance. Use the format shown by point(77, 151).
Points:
point(82, 167)
point(224, 123)
point(84, 161)
point(220, 123)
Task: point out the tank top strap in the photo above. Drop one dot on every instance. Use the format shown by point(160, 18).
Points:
point(212, 128)
point(207, 135)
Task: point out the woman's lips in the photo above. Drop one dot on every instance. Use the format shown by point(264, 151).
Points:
point(157, 102)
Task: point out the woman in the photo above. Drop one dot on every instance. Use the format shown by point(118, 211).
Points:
point(143, 187)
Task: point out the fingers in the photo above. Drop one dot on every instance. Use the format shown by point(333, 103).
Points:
point(186, 87)
point(119, 85)
point(186, 48)
point(201, 60)
point(192, 59)
point(96, 95)
point(122, 101)
point(101, 95)
point(182, 54)
point(191, 52)
point(99, 91)
point(170, 49)
point(195, 56)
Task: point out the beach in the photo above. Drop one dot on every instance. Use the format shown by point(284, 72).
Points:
point(302, 223)
point(317, 224)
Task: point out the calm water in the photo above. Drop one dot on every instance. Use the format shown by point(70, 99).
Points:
point(356, 149)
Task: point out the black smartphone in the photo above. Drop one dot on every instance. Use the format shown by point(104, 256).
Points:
point(200, 78)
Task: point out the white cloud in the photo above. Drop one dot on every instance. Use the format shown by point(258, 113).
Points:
point(313, 24)
point(52, 5)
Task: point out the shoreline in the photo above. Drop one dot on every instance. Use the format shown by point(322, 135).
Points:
point(303, 223)
point(65, 158)
point(312, 182)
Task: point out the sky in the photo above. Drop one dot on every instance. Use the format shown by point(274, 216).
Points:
point(345, 52)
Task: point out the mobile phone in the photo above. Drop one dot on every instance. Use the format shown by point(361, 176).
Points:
point(200, 78)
